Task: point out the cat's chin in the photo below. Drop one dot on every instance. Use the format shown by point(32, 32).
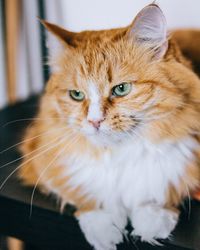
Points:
point(101, 140)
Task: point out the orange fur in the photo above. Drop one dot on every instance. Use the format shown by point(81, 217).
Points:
point(189, 40)
point(107, 57)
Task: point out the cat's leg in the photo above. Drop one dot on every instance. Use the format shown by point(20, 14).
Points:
point(151, 221)
point(102, 229)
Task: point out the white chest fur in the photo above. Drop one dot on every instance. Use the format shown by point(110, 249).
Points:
point(132, 173)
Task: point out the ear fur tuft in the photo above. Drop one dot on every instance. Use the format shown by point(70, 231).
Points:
point(63, 35)
point(150, 28)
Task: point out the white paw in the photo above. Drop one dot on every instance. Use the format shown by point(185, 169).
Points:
point(100, 230)
point(153, 222)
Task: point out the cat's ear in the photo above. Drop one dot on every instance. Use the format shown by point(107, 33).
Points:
point(150, 29)
point(58, 40)
point(65, 36)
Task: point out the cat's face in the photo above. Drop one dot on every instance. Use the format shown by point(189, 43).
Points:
point(112, 93)
point(102, 97)
point(111, 87)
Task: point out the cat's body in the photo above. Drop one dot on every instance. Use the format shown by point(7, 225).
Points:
point(116, 157)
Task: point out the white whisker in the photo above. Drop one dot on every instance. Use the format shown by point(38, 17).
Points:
point(30, 139)
point(31, 119)
point(23, 156)
point(46, 168)
point(3, 183)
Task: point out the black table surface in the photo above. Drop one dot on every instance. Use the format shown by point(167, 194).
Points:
point(43, 225)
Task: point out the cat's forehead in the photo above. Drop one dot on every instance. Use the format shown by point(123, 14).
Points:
point(94, 88)
point(104, 63)
point(94, 91)
point(104, 69)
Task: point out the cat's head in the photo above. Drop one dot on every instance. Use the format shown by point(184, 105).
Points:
point(114, 85)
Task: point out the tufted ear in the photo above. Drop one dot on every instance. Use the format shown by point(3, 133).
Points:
point(65, 36)
point(58, 41)
point(150, 28)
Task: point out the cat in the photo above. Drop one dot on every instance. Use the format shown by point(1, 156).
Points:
point(188, 41)
point(117, 132)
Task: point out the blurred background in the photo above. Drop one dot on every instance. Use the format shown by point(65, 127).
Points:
point(23, 53)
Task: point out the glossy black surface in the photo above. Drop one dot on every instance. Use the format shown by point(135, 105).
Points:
point(46, 228)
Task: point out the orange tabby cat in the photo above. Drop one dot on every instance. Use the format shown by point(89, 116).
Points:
point(117, 130)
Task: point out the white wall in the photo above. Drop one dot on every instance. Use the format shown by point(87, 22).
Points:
point(99, 14)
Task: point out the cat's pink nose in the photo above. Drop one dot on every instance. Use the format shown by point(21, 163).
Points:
point(96, 123)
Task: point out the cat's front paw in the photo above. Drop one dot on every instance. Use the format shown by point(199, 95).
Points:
point(152, 222)
point(100, 230)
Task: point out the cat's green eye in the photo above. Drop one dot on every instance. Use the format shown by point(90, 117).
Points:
point(77, 95)
point(122, 89)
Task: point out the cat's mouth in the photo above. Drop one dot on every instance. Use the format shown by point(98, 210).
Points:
point(110, 137)
point(93, 133)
